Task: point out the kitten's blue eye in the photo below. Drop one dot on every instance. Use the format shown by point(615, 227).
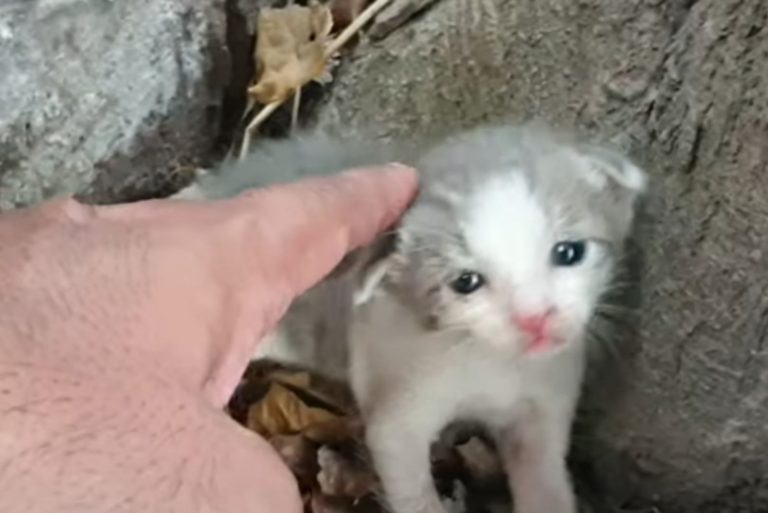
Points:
point(467, 282)
point(568, 253)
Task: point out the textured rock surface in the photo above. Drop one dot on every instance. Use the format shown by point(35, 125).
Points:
point(684, 86)
point(106, 98)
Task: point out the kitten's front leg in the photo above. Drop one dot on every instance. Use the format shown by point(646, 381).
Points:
point(399, 437)
point(534, 453)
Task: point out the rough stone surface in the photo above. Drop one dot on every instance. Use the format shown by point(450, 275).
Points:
point(106, 98)
point(683, 85)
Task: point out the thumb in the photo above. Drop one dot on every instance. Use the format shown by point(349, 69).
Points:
point(240, 471)
point(262, 249)
point(279, 241)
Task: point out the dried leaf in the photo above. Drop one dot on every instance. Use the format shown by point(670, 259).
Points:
point(481, 461)
point(282, 412)
point(344, 11)
point(293, 47)
point(334, 432)
point(445, 461)
point(322, 504)
point(456, 501)
point(290, 50)
point(320, 392)
point(298, 379)
point(339, 476)
point(299, 454)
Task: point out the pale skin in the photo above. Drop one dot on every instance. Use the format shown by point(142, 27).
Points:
point(125, 329)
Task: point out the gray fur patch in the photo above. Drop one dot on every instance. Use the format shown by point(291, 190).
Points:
point(433, 251)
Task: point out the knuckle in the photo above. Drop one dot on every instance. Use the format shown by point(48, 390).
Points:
point(71, 210)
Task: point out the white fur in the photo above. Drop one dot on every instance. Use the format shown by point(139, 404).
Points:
point(276, 346)
point(512, 236)
point(506, 229)
point(411, 382)
point(602, 165)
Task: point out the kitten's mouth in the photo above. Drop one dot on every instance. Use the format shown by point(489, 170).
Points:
point(542, 344)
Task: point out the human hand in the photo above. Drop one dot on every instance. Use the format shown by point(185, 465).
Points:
point(125, 329)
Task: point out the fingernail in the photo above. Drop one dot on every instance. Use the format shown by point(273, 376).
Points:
point(395, 168)
point(399, 165)
point(400, 169)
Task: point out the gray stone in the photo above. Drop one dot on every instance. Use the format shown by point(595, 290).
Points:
point(395, 14)
point(106, 98)
point(682, 85)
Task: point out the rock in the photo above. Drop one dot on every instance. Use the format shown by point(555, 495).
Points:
point(396, 14)
point(683, 86)
point(105, 98)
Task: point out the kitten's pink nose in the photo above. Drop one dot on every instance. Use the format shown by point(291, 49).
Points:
point(533, 325)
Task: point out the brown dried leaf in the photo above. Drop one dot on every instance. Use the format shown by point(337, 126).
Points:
point(298, 379)
point(313, 424)
point(298, 453)
point(480, 460)
point(332, 394)
point(290, 50)
point(344, 11)
point(320, 503)
point(335, 432)
point(282, 412)
point(339, 476)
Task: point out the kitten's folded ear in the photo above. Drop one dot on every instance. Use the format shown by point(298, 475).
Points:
point(374, 262)
point(609, 169)
point(365, 267)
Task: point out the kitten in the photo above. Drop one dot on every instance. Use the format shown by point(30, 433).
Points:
point(478, 307)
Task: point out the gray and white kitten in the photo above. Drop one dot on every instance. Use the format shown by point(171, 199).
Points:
point(477, 308)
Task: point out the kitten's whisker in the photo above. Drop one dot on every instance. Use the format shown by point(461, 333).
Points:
point(618, 309)
point(616, 323)
point(598, 340)
point(616, 283)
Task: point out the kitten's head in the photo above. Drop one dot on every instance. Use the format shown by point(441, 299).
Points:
point(513, 237)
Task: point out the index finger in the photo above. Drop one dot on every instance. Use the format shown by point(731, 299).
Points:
point(267, 246)
point(284, 239)
point(296, 232)
point(300, 231)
